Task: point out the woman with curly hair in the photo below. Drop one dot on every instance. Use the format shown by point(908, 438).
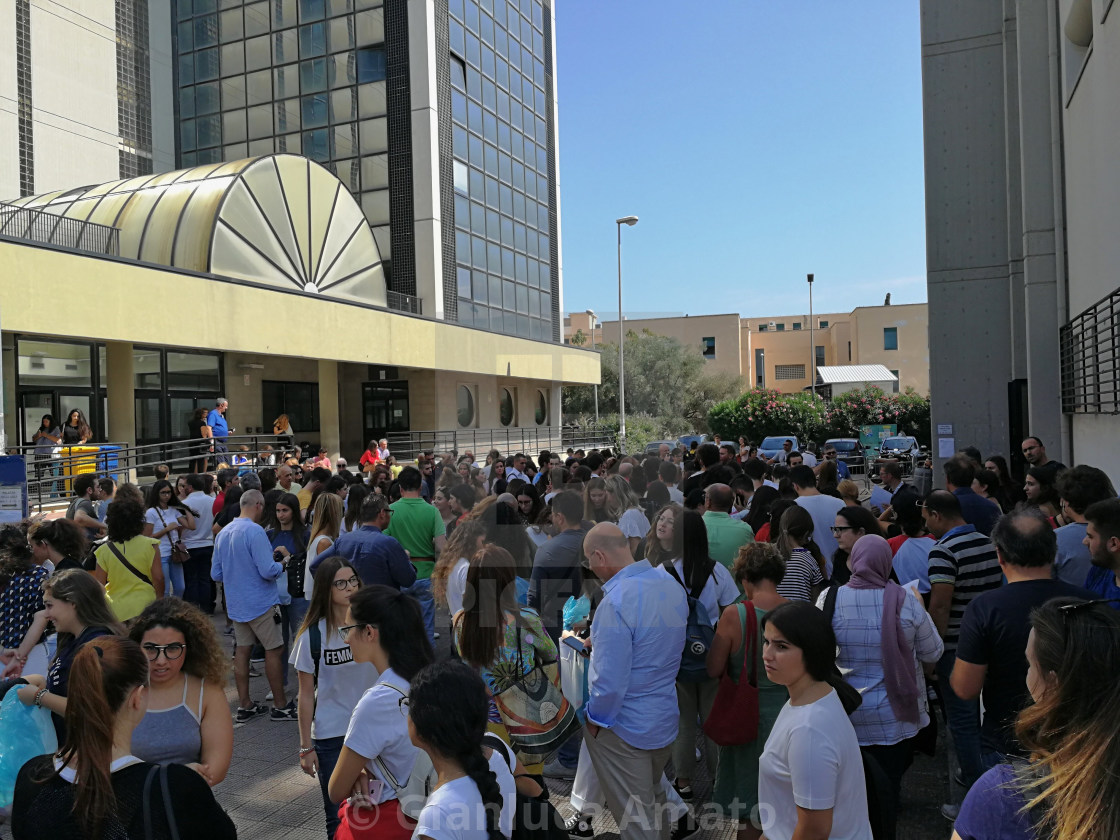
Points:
point(187, 721)
point(57, 545)
point(449, 577)
point(1069, 787)
point(128, 564)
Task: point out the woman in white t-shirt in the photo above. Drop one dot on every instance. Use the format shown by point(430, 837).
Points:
point(330, 682)
point(326, 520)
point(626, 510)
point(447, 711)
point(449, 577)
point(810, 778)
point(169, 519)
point(385, 628)
point(680, 546)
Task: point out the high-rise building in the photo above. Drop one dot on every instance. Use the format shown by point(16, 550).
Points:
point(440, 118)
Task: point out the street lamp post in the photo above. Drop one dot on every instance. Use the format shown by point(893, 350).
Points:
point(812, 343)
point(630, 221)
point(591, 325)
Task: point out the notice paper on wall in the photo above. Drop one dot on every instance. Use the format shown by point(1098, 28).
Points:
point(946, 447)
point(13, 488)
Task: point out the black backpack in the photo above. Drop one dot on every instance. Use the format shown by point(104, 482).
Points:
point(698, 635)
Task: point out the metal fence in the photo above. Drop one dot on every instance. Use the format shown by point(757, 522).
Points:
point(530, 441)
point(1090, 359)
point(39, 226)
point(403, 303)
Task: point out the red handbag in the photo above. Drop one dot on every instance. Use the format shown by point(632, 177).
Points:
point(733, 720)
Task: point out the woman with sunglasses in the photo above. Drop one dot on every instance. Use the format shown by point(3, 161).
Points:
point(188, 720)
point(1070, 785)
point(385, 628)
point(331, 682)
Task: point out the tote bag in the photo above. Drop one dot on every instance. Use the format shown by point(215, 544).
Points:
point(733, 719)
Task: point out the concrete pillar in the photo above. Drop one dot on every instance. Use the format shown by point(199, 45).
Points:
point(329, 436)
point(119, 388)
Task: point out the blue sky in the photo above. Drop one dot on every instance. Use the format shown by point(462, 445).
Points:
point(757, 140)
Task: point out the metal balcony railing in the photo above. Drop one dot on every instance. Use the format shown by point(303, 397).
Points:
point(530, 440)
point(403, 303)
point(37, 225)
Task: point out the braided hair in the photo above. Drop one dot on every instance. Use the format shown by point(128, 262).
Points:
point(448, 708)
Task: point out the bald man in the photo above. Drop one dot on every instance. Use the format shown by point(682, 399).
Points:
point(725, 535)
point(637, 639)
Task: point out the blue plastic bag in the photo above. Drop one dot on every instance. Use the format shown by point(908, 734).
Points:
point(25, 732)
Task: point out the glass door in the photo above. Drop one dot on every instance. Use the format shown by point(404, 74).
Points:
point(384, 408)
point(32, 406)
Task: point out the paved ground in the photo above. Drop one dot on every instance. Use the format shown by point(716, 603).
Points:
point(268, 796)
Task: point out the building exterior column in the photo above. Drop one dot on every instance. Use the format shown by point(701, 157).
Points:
point(120, 390)
point(329, 436)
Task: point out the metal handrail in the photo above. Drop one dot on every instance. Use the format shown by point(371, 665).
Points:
point(38, 225)
point(403, 302)
point(529, 440)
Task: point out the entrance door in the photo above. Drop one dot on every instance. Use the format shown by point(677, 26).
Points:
point(58, 402)
point(384, 408)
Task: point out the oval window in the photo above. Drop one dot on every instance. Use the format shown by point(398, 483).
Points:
point(466, 406)
point(506, 407)
point(542, 408)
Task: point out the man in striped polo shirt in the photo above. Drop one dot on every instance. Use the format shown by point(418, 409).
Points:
point(962, 565)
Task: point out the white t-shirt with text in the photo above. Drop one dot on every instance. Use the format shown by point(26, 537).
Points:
point(342, 681)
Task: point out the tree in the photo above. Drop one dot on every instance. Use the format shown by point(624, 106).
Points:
point(666, 381)
point(579, 339)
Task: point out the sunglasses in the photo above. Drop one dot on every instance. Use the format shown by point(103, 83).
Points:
point(1069, 609)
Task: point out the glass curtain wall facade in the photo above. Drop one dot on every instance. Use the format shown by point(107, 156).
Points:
point(500, 142)
point(299, 76)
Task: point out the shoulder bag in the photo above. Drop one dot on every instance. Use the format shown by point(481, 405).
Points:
point(733, 720)
point(178, 550)
point(124, 562)
point(172, 825)
point(536, 714)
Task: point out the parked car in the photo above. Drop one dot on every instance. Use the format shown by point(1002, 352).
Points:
point(848, 450)
point(901, 448)
point(653, 447)
point(686, 441)
point(772, 445)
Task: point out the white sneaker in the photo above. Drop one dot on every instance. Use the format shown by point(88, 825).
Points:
point(268, 697)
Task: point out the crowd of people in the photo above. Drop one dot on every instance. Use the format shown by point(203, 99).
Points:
point(614, 620)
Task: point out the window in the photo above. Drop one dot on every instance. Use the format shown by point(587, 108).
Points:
point(789, 371)
point(849, 351)
point(894, 387)
point(299, 400)
point(505, 407)
point(781, 327)
point(823, 324)
point(541, 416)
point(708, 347)
point(796, 326)
point(819, 355)
point(465, 401)
point(371, 65)
point(763, 328)
point(890, 338)
point(760, 368)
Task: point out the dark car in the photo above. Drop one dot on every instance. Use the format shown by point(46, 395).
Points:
point(848, 450)
point(653, 447)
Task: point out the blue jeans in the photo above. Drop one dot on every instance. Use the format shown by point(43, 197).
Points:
point(964, 722)
point(291, 618)
point(327, 750)
point(198, 588)
point(173, 576)
point(422, 592)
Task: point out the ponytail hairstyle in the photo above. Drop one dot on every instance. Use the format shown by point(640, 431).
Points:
point(805, 627)
point(697, 562)
point(354, 499)
point(796, 524)
point(400, 626)
point(103, 675)
point(448, 707)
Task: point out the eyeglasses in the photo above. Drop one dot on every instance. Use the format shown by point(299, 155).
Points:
point(1069, 609)
point(344, 630)
point(346, 583)
point(170, 652)
point(836, 529)
point(403, 705)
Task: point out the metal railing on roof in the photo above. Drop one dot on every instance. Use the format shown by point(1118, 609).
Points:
point(403, 303)
point(37, 225)
point(529, 440)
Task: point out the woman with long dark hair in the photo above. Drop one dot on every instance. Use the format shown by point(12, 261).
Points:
point(680, 546)
point(58, 545)
point(475, 795)
point(95, 787)
point(595, 507)
point(805, 566)
point(75, 603)
point(76, 430)
point(199, 432)
point(1070, 785)
point(128, 564)
point(187, 720)
point(331, 682)
point(811, 774)
point(759, 516)
point(169, 518)
point(288, 537)
point(1013, 491)
point(385, 628)
point(1041, 492)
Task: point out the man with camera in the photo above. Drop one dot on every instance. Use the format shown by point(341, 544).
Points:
point(243, 561)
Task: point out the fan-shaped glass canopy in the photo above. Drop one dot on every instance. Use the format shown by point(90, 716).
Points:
point(278, 220)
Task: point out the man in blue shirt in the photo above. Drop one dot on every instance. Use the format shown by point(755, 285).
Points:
point(1078, 488)
point(637, 639)
point(376, 557)
point(1102, 536)
point(244, 564)
point(975, 509)
point(216, 420)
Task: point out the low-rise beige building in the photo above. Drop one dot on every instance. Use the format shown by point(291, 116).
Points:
point(780, 351)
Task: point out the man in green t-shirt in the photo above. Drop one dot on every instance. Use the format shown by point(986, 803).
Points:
point(419, 528)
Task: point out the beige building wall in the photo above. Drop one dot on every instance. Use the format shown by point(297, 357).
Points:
point(787, 348)
point(911, 359)
point(690, 331)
